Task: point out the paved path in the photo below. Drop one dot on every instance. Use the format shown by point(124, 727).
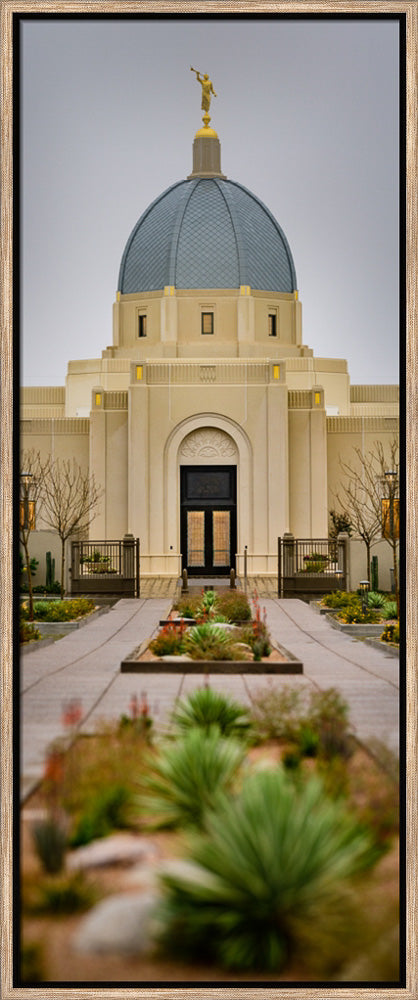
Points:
point(86, 665)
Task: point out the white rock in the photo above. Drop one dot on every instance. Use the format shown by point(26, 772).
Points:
point(118, 849)
point(122, 924)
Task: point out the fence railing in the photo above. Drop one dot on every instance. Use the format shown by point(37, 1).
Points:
point(106, 567)
point(311, 566)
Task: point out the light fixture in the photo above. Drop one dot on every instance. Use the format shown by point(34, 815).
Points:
point(364, 587)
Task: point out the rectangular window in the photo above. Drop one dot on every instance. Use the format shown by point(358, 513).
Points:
point(207, 322)
point(272, 325)
point(142, 325)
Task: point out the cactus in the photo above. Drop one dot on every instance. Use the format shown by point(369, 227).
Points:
point(50, 571)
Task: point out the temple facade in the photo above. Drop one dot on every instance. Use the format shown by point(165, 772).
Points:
point(209, 424)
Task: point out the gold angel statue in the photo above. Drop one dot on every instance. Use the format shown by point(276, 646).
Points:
point(207, 88)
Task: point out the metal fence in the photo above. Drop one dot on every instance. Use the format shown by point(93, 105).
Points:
point(106, 567)
point(310, 567)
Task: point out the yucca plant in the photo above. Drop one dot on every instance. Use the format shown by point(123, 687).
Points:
point(187, 778)
point(207, 642)
point(273, 856)
point(205, 708)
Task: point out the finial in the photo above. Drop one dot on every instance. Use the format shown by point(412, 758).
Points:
point(207, 90)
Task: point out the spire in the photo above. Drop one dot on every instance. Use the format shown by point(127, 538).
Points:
point(206, 145)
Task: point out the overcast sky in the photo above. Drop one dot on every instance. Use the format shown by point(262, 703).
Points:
point(307, 115)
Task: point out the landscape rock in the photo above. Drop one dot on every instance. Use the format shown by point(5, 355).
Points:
point(118, 849)
point(177, 659)
point(122, 924)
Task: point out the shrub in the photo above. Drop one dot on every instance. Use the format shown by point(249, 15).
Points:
point(375, 600)
point(32, 963)
point(206, 708)
point(107, 810)
point(235, 606)
point(390, 609)
point(390, 633)
point(59, 611)
point(168, 642)
point(189, 776)
point(356, 615)
point(28, 633)
point(187, 606)
point(273, 858)
point(50, 843)
point(339, 599)
point(308, 740)
point(327, 715)
point(207, 642)
point(276, 713)
point(68, 894)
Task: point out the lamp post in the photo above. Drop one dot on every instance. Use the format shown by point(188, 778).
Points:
point(364, 587)
point(25, 482)
point(27, 524)
point(391, 479)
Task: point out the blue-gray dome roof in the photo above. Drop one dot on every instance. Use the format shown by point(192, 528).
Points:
point(207, 233)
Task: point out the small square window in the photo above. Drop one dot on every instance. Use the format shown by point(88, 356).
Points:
point(207, 322)
point(142, 325)
point(272, 319)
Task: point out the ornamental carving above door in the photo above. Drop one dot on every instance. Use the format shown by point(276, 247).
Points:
point(208, 442)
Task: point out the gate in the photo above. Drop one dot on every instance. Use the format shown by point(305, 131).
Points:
point(106, 567)
point(308, 568)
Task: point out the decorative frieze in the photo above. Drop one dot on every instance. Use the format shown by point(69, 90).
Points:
point(374, 393)
point(355, 425)
point(176, 372)
point(62, 425)
point(208, 442)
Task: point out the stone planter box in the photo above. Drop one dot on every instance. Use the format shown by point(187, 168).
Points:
point(52, 630)
point(372, 630)
point(384, 647)
point(133, 665)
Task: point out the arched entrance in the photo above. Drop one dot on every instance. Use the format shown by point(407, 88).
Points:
point(208, 502)
point(208, 518)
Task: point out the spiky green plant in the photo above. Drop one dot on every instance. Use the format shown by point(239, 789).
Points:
point(187, 778)
point(207, 642)
point(375, 600)
point(390, 609)
point(205, 708)
point(50, 842)
point(273, 856)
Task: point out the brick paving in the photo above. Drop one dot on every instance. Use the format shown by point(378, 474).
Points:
point(86, 665)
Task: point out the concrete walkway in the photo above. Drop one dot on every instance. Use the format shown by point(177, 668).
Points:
point(86, 665)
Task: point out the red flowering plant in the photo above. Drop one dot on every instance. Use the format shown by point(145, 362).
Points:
point(169, 640)
point(256, 635)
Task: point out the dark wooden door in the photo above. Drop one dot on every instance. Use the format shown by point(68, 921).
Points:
point(208, 519)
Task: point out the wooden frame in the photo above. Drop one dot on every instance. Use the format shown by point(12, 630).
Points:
point(372, 7)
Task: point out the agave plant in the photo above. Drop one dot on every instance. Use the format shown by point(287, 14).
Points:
point(272, 858)
point(390, 609)
point(189, 776)
point(375, 600)
point(205, 708)
point(207, 642)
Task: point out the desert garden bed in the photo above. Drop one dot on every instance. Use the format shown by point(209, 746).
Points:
point(53, 618)
point(298, 821)
point(214, 632)
point(378, 619)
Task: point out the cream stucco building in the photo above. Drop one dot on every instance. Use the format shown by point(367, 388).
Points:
point(208, 422)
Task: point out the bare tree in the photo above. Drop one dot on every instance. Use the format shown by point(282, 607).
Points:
point(70, 502)
point(361, 494)
point(32, 477)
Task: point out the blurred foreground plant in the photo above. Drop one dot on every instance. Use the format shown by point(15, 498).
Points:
point(274, 855)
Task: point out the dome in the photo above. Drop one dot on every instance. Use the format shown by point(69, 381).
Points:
point(207, 232)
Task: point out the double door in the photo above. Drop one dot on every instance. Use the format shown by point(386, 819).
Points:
point(208, 519)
